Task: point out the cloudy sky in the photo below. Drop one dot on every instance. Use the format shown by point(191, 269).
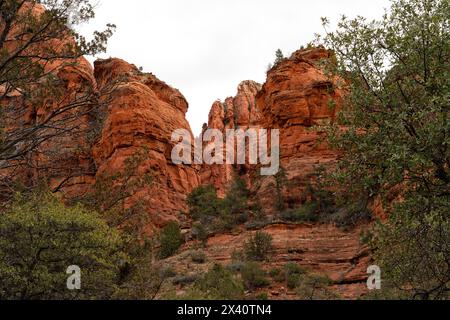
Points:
point(205, 48)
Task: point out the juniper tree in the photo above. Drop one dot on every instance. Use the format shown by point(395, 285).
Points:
point(279, 56)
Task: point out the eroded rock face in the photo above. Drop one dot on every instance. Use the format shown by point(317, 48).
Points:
point(320, 249)
point(296, 97)
point(143, 112)
point(239, 112)
point(62, 154)
point(133, 112)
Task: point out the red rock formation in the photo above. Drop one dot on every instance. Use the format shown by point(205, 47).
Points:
point(138, 111)
point(142, 113)
point(239, 112)
point(296, 97)
point(322, 249)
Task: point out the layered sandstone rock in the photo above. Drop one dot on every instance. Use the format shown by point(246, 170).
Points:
point(296, 97)
point(239, 112)
point(320, 249)
point(110, 114)
point(142, 113)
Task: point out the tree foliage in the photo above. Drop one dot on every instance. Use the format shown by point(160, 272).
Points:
point(219, 283)
point(40, 238)
point(396, 72)
point(170, 239)
point(279, 56)
point(218, 214)
point(258, 246)
point(38, 39)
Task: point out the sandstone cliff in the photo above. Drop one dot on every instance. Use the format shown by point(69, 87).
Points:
point(142, 112)
point(239, 112)
point(296, 97)
point(122, 112)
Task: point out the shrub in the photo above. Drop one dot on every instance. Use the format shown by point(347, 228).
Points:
point(351, 213)
point(315, 287)
point(204, 205)
point(167, 272)
point(293, 273)
point(293, 268)
point(277, 274)
point(263, 296)
point(170, 239)
point(200, 233)
point(258, 246)
point(306, 213)
point(184, 280)
point(253, 276)
point(219, 283)
point(40, 238)
point(198, 257)
point(237, 255)
point(235, 267)
point(142, 283)
point(258, 224)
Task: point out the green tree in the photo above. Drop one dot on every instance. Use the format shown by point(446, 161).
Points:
point(143, 282)
point(40, 238)
point(258, 246)
point(235, 206)
point(279, 56)
point(253, 276)
point(314, 287)
point(220, 214)
point(200, 233)
point(236, 199)
point(280, 184)
point(170, 239)
point(396, 72)
point(219, 283)
point(204, 205)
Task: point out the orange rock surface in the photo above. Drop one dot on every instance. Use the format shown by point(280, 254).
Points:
point(321, 249)
point(296, 97)
point(142, 114)
point(240, 112)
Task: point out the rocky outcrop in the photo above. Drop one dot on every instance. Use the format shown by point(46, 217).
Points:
point(142, 113)
point(239, 112)
point(122, 112)
point(296, 97)
point(321, 249)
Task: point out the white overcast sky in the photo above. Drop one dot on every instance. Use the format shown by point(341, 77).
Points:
point(205, 48)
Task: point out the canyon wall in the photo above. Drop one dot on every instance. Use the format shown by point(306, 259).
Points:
point(142, 113)
point(239, 112)
point(137, 112)
point(296, 97)
point(122, 113)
